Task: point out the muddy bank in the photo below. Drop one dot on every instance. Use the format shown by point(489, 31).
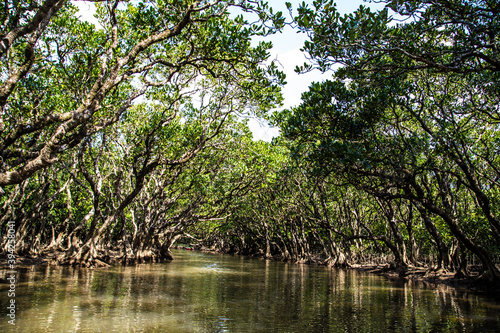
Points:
point(429, 276)
point(58, 258)
point(23, 261)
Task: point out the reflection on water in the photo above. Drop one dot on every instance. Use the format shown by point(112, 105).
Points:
point(216, 293)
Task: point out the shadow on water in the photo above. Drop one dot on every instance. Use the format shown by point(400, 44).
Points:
point(201, 292)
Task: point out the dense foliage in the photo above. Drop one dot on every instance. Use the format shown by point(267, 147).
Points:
point(110, 133)
point(396, 156)
point(410, 119)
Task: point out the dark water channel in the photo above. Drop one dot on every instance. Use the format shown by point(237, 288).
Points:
point(219, 293)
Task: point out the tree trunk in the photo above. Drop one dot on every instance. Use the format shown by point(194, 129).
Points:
point(443, 256)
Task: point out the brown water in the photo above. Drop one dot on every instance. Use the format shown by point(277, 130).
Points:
point(200, 292)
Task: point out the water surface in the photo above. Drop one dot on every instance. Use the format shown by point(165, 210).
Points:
point(200, 292)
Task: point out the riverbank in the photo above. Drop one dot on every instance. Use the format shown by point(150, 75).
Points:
point(430, 277)
point(22, 261)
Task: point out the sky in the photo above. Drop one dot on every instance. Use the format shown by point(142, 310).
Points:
point(286, 50)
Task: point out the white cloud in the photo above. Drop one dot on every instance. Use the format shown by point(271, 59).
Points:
point(296, 83)
point(86, 11)
point(261, 130)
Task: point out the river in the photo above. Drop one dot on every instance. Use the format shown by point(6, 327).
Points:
point(200, 292)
